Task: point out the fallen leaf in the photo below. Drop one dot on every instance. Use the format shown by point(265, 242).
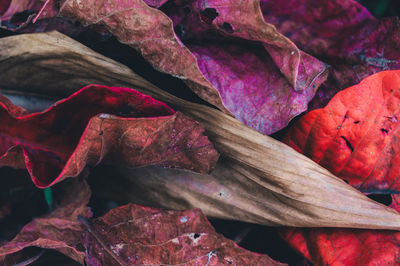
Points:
point(97, 123)
point(343, 34)
point(337, 246)
point(54, 64)
point(136, 235)
point(16, 14)
point(225, 52)
point(60, 229)
point(356, 135)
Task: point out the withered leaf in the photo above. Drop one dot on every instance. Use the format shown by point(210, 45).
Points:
point(60, 229)
point(320, 198)
point(225, 52)
point(356, 135)
point(341, 246)
point(17, 14)
point(136, 235)
point(96, 124)
point(343, 34)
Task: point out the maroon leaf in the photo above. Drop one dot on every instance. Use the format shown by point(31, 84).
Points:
point(31, 16)
point(58, 230)
point(226, 53)
point(136, 235)
point(118, 125)
point(18, 13)
point(343, 34)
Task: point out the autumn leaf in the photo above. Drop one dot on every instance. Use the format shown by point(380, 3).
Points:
point(225, 52)
point(111, 124)
point(16, 14)
point(60, 229)
point(254, 158)
point(341, 33)
point(329, 246)
point(356, 135)
point(136, 235)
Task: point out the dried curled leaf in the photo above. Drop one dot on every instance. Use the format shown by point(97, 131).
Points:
point(60, 229)
point(223, 50)
point(329, 246)
point(343, 34)
point(17, 14)
point(356, 136)
point(319, 198)
point(136, 235)
point(98, 123)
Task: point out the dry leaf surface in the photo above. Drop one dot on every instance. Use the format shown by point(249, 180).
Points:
point(341, 33)
point(225, 52)
point(136, 235)
point(328, 246)
point(271, 164)
point(356, 135)
point(117, 125)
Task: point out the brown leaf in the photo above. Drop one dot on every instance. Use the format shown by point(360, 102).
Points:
point(136, 235)
point(317, 197)
point(60, 229)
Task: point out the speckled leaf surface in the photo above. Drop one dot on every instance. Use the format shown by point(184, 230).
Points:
point(356, 136)
point(225, 52)
point(136, 235)
point(98, 123)
point(341, 33)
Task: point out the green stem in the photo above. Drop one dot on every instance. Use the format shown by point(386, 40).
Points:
point(381, 8)
point(48, 195)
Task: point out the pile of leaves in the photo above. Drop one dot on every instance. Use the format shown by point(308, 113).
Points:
point(128, 125)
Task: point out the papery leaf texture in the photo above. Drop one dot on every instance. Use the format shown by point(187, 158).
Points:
point(136, 235)
point(276, 168)
point(356, 136)
point(117, 125)
point(224, 51)
point(60, 229)
point(338, 246)
point(341, 33)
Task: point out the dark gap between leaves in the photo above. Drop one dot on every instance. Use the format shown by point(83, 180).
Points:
point(130, 57)
point(385, 199)
point(227, 27)
point(208, 15)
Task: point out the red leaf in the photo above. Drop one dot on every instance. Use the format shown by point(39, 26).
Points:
point(329, 246)
point(343, 34)
point(117, 125)
point(60, 230)
point(226, 53)
point(135, 235)
point(356, 136)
